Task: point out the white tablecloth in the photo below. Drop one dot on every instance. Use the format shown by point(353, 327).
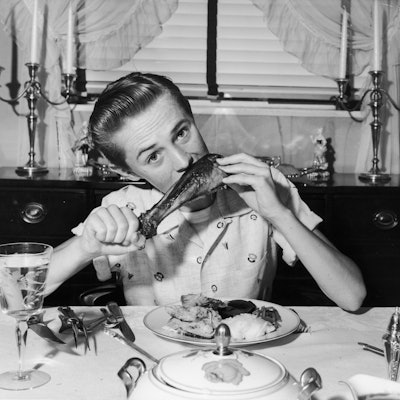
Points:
point(330, 347)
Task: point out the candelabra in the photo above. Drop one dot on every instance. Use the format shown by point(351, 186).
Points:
point(374, 175)
point(32, 92)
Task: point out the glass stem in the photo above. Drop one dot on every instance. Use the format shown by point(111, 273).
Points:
point(20, 335)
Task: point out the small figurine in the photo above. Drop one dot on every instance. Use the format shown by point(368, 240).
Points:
point(320, 164)
point(81, 150)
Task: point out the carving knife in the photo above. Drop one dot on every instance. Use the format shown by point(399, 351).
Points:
point(123, 326)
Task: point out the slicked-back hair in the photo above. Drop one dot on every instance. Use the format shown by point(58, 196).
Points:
point(125, 98)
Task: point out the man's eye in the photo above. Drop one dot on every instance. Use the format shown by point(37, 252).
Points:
point(153, 158)
point(182, 133)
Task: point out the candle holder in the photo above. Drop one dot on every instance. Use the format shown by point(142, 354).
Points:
point(377, 94)
point(32, 92)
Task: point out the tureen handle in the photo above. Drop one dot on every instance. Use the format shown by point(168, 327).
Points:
point(127, 378)
point(310, 382)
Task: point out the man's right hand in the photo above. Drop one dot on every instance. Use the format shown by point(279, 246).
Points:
point(111, 230)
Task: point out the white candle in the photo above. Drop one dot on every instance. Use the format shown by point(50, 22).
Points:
point(69, 68)
point(343, 47)
point(34, 36)
point(377, 38)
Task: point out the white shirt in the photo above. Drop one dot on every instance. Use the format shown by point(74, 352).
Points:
point(236, 258)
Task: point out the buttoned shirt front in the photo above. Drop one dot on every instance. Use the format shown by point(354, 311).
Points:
point(236, 259)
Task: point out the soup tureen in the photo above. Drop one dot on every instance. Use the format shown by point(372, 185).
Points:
point(220, 373)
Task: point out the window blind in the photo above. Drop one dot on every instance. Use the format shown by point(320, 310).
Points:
point(179, 52)
point(250, 60)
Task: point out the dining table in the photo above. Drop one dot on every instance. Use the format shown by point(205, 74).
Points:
point(327, 342)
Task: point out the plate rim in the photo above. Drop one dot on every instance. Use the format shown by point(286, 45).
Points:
point(208, 342)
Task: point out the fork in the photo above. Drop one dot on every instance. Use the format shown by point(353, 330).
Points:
point(70, 320)
point(303, 327)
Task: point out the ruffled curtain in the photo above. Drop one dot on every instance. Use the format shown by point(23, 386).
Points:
point(108, 33)
point(310, 30)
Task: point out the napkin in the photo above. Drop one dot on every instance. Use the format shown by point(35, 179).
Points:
point(367, 387)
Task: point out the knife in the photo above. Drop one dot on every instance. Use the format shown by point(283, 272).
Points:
point(129, 343)
point(123, 326)
point(36, 324)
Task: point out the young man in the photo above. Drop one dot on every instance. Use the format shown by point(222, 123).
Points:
point(221, 245)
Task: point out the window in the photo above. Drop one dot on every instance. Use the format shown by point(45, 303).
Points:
point(250, 60)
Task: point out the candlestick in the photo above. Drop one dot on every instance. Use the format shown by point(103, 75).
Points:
point(343, 47)
point(377, 95)
point(34, 36)
point(377, 38)
point(70, 40)
point(32, 92)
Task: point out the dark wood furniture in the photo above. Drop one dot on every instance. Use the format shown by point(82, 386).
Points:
point(360, 219)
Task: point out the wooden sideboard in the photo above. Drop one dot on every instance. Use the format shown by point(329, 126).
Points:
point(360, 219)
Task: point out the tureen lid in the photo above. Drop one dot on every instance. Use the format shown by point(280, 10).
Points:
point(221, 370)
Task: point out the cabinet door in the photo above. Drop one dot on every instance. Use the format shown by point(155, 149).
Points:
point(366, 218)
point(366, 229)
point(41, 214)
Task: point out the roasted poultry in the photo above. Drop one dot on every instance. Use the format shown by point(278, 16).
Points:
point(203, 177)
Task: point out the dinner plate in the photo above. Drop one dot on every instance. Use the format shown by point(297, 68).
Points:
point(156, 319)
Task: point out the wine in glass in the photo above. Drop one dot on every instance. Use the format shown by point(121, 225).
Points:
point(23, 271)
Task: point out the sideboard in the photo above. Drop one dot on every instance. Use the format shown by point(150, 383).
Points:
point(360, 219)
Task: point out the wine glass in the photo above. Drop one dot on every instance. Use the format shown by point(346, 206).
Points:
point(23, 271)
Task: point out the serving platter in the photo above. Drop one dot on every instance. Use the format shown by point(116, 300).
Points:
point(157, 318)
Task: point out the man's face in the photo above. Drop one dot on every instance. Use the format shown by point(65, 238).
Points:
point(160, 143)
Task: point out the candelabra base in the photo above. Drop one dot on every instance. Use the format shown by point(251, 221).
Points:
point(31, 169)
point(374, 178)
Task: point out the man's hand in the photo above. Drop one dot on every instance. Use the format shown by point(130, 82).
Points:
point(252, 180)
point(111, 230)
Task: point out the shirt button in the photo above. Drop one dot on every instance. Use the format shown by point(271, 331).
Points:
point(159, 276)
point(252, 257)
point(220, 225)
point(214, 288)
point(253, 216)
point(199, 260)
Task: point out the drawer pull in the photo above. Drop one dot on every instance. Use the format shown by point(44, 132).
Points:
point(33, 213)
point(385, 219)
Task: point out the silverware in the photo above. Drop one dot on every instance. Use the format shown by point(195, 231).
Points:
point(37, 325)
point(302, 327)
point(372, 349)
point(69, 320)
point(129, 343)
point(123, 326)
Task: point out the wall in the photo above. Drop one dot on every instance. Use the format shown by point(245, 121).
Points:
point(260, 133)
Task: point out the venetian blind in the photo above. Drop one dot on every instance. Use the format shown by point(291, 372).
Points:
point(179, 52)
point(251, 62)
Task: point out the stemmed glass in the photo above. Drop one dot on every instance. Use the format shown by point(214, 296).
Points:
point(23, 272)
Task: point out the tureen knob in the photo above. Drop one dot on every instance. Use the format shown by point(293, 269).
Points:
point(222, 339)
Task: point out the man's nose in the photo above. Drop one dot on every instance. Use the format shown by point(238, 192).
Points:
point(182, 160)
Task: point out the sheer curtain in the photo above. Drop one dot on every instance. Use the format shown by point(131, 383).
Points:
point(310, 30)
point(108, 34)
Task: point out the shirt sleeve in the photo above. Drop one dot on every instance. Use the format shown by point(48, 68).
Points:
point(142, 200)
point(290, 197)
point(101, 264)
